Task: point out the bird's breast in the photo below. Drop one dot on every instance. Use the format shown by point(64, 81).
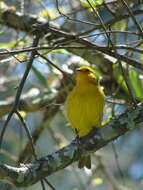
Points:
point(85, 108)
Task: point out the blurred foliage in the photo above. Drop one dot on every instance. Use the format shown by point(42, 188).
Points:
point(75, 17)
point(92, 2)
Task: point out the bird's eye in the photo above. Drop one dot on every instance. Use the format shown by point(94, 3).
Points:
point(85, 70)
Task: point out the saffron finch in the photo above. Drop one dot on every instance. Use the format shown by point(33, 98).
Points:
point(84, 106)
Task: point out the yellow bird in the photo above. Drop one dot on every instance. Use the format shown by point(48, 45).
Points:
point(84, 106)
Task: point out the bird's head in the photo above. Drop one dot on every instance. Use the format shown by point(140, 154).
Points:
point(85, 74)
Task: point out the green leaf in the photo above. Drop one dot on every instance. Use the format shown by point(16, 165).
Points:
point(119, 77)
point(135, 81)
point(8, 45)
point(137, 84)
point(94, 3)
point(48, 13)
point(60, 51)
point(42, 79)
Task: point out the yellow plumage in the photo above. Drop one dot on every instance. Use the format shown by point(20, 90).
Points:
point(85, 105)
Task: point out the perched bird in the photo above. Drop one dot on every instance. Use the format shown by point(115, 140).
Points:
point(84, 106)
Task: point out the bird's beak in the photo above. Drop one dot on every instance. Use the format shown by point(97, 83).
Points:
point(78, 70)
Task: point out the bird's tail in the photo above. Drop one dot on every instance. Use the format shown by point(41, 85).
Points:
point(85, 162)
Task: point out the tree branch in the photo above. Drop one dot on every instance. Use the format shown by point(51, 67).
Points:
point(30, 102)
point(96, 55)
point(24, 22)
point(29, 174)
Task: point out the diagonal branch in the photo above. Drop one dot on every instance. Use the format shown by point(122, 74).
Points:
point(29, 174)
point(25, 23)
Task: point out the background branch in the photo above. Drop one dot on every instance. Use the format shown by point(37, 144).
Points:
point(31, 173)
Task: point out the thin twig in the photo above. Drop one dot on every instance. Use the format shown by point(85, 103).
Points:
point(115, 184)
point(49, 184)
point(132, 16)
point(119, 60)
point(118, 163)
point(43, 185)
point(20, 88)
point(72, 19)
point(28, 134)
point(28, 49)
point(112, 32)
point(32, 148)
point(51, 63)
